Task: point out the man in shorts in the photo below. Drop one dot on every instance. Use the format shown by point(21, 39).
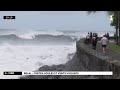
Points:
point(104, 42)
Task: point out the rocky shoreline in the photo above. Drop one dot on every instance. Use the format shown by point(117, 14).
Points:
point(46, 68)
point(85, 59)
point(72, 65)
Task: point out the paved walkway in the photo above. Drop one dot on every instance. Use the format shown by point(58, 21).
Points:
point(109, 52)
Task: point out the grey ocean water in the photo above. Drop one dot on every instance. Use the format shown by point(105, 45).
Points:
point(27, 50)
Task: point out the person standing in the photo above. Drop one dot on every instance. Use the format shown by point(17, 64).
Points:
point(104, 42)
point(96, 35)
point(94, 42)
point(88, 38)
point(108, 36)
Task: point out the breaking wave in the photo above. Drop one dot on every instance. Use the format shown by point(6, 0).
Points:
point(36, 49)
point(37, 39)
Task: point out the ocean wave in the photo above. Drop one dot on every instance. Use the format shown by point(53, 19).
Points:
point(37, 39)
point(43, 37)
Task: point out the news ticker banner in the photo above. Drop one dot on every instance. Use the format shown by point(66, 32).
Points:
point(59, 73)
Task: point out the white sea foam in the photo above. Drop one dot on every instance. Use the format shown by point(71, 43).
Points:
point(29, 58)
point(31, 34)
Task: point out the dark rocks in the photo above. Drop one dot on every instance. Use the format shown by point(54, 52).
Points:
point(71, 65)
point(85, 59)
point(46, 68)
point(52, 68)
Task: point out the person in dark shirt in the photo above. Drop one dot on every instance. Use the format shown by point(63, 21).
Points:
point(90, 37)
point(107, 36)
point(96, 36)
point(94, 41)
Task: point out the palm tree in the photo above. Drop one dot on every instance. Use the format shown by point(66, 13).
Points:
point(115, 22)
point(108, 12)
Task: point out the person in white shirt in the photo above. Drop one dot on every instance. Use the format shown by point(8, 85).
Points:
point(104, 42)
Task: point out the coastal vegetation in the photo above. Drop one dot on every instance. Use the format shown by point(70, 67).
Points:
point(115, 22)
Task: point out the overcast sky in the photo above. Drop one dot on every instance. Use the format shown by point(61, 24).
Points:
point(56, 20)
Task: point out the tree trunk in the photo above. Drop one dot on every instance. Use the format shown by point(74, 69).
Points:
point(116, 35)
point(115, 23)
point(119, 25)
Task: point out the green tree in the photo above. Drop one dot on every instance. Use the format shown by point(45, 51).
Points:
point(115, 22)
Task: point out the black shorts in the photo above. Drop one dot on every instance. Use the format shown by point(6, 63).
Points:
point(104, 46)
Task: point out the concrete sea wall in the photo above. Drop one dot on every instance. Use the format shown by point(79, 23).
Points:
point(94, 61)
point(85, 59)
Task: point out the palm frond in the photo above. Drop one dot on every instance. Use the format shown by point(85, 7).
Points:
point(89, 12)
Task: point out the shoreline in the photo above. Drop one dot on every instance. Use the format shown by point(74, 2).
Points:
point(71, 65)
point(77, 63)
